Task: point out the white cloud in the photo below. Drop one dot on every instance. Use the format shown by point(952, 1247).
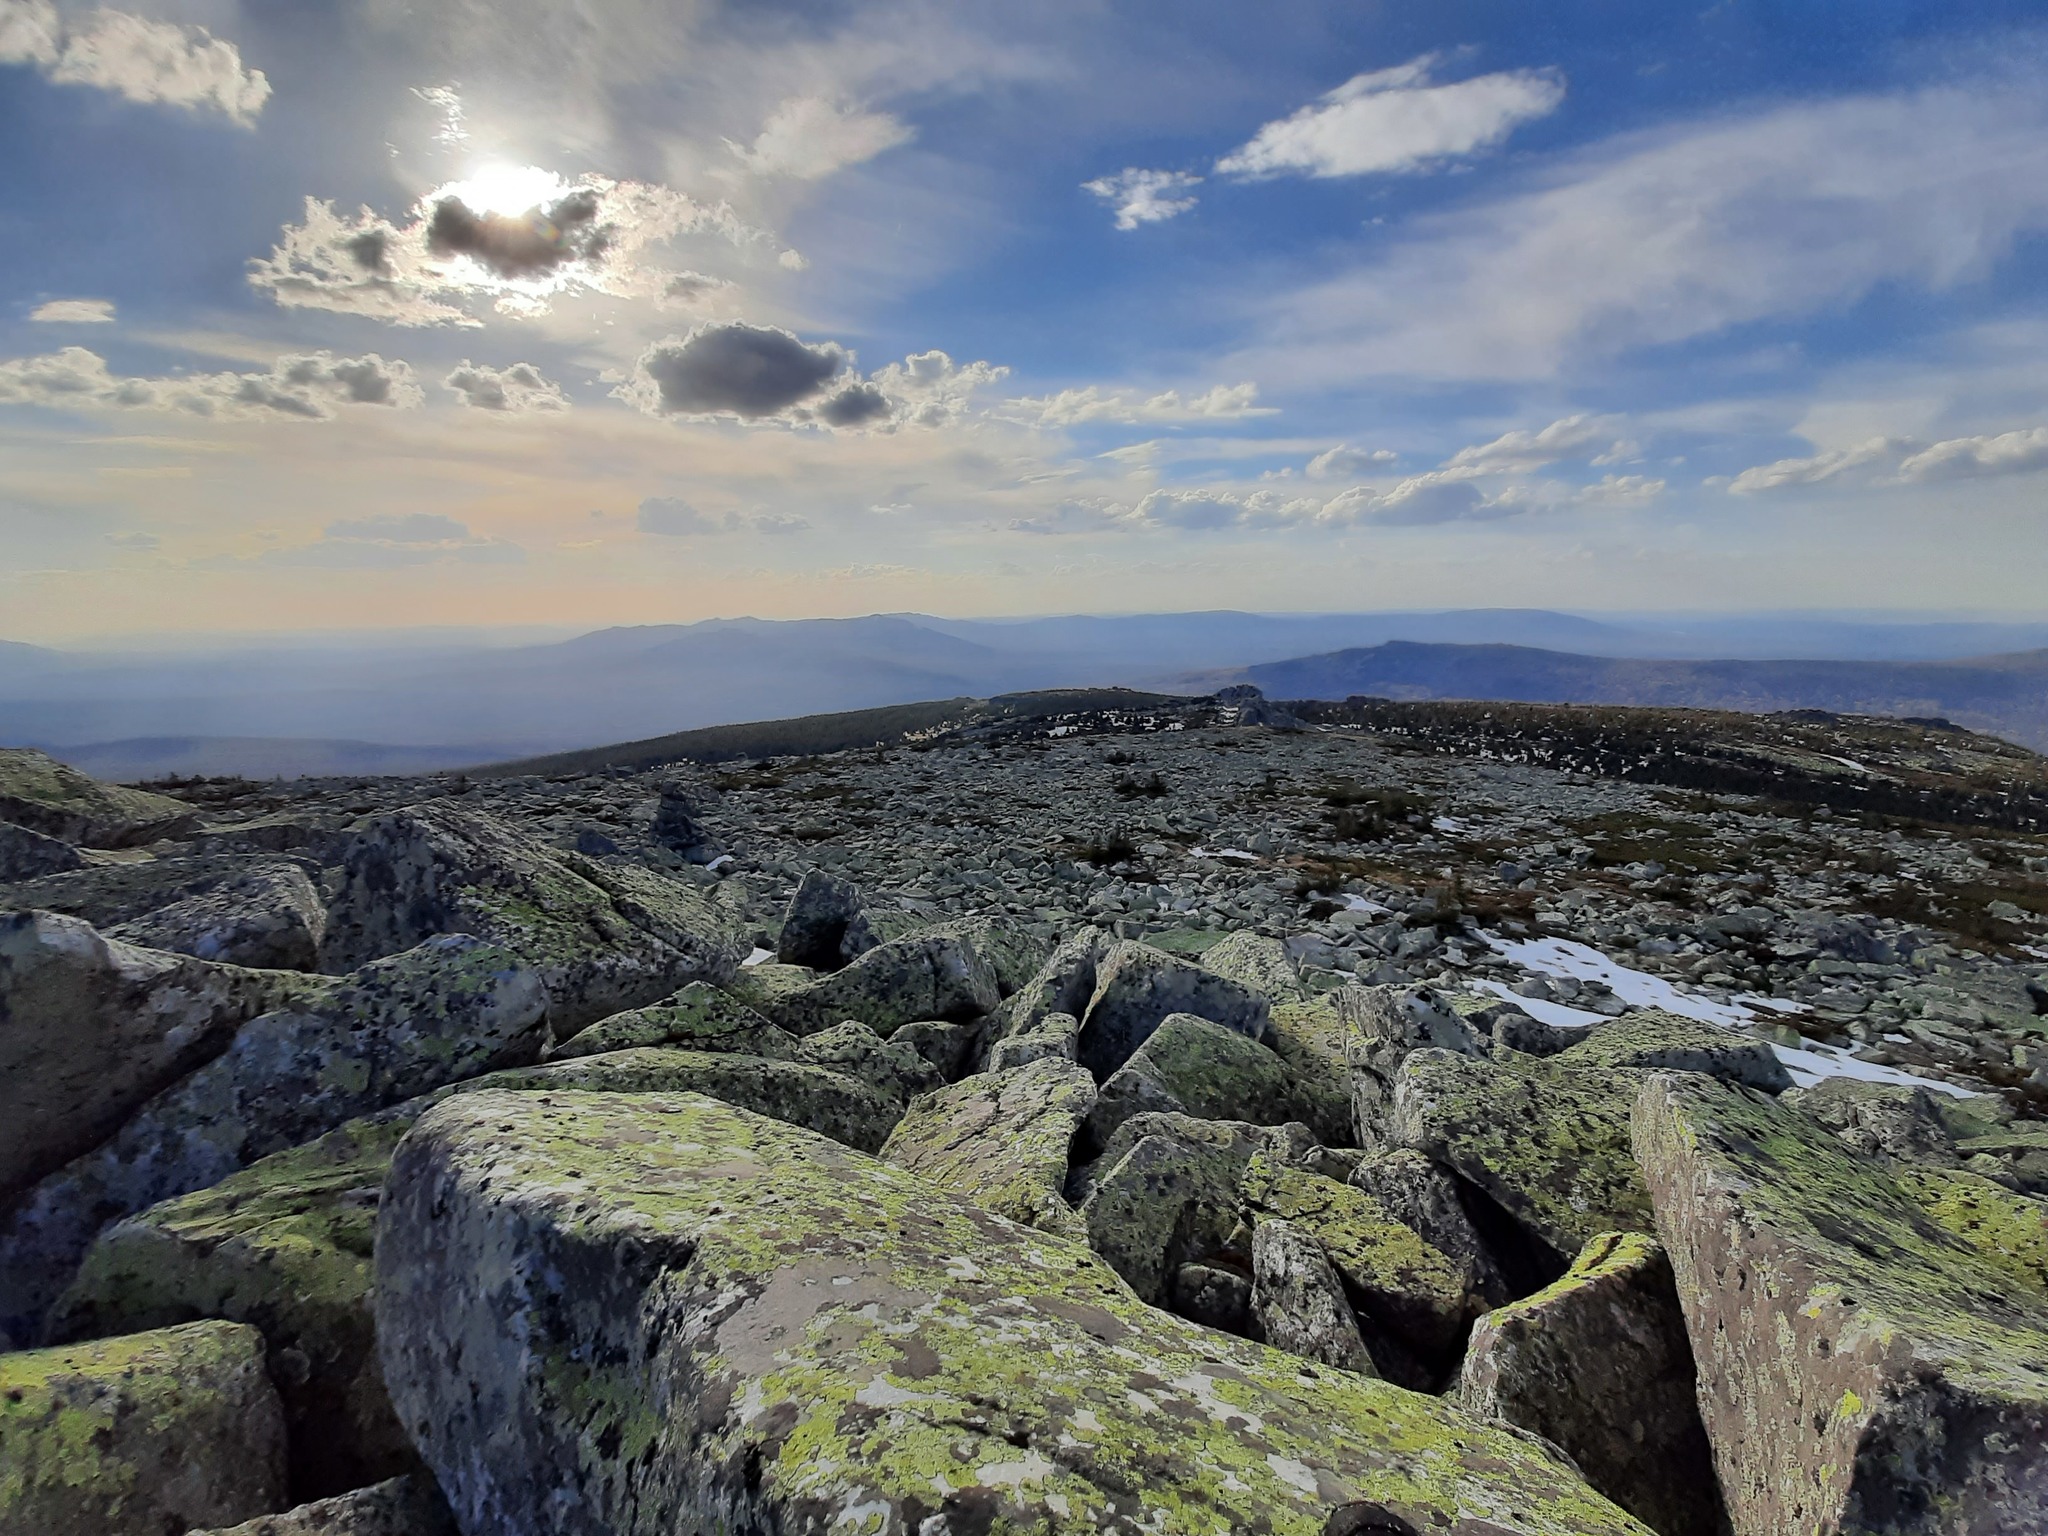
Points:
point(1440, 496)
point(1620, 491)
point(308, 386)
point(1813, 470)
point(810, 137)
point(143, 60)
point(1345, 462)
point(1144, 197)
point(1074, 407)
point(513, 391)
point(1521, 451)
point(1686, 232)
point(1962, 458)
point(931, 390)
point(74, 312)
point(517, 236)
point(1397, 120)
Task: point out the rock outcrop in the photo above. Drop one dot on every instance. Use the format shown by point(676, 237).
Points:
point(270, 918)
point(698, 1018)
point(27, 855)
point(55, 799)
point(140, 1435)
point(1138, 988)
point(1861, 1368)
point(1001, 1139)
point(1191, 1066)
point(926, 976)
point(698, 1318)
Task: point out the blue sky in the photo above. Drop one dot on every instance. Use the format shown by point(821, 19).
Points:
point(380, 314)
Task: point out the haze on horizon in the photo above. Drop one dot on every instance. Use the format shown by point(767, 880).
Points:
point(373, 315)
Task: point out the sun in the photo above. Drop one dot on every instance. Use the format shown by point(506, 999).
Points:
point(498, 187)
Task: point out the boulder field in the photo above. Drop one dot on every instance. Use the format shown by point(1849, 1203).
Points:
point(441, 1165)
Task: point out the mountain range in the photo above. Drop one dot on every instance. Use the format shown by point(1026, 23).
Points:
point(424, 702)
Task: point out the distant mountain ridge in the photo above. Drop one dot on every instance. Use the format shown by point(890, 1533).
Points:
point(2003, 695)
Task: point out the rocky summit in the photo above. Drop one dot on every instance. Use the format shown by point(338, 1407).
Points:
point(1088, 1112)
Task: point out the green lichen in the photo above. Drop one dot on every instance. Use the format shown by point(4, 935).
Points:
point(2008, 1231)
point(867, 1351)
point(700, 1017)
point(1001, 1139)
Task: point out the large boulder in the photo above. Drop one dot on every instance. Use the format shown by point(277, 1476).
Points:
point(1412, 1297)
point(1054, 1038)
point(1309, 1038)
point(605, 936)
point(1137, 988)
point(1013, 952)
point(1861, 1368)
point(271, 917)
point(1546, 1145)
point(141, 1435)
point(699, 1319)
point(926, 976)
point(825, 925)
point(283, 1246)
point(447, 1010)
point(1257, 961)
point(110, 892)
point(1598, 1363)
point(1670, 1042)
point(1191, 1066)
point(892, 1069)
point(1380, 1027)
point(698, 1018)
point(91, 1027)
point(1063, 983)
point(2008, 1229)
point(1001, 1139)
point(1298, 1302)
point(44, 795)
point(26, 854)
point(1165, 1193)
point(1426, 1198)
point(399, 1506)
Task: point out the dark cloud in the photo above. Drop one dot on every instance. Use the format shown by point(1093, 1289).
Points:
point(855, 406)
point(521, 387)
point(521, 245)
point(749, 371)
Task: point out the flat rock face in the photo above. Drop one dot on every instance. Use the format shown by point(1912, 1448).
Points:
point(1861, 1367)
point(140, 1435)
point(447, 1010)
point(1001, 1139)
point(1667, 1041)
point(44, 795)
point(824, 925)
point(283, 1246)
point(892, 1069)
point(270, 918)
point(1298, 1302)
point(701, 1319)
point(605, 936)
point(1547, 1144)
point(1137, 988)
point(91, 1027)
point(929, 976)
point(1191, 1066)
point(1598, 1363)
point(26, 854)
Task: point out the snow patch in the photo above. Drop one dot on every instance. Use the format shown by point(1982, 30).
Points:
point(760, 956)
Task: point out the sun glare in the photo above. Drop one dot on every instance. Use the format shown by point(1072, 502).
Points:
point(496, 187)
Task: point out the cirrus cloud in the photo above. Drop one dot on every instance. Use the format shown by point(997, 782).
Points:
point(807, 138)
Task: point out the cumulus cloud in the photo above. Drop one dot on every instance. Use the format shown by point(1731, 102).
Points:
point(1075, 407)
point(857, 405)
point(74, 312)
point(809, 137)
point(929, 389)
point(1441, 496)
point(1144, 197)
point(1344, 461)
point(1620, 491)
point(1684, 232)
point(145, 61)
point(754, 372)
point(1397, 120)
point(512, 391)
point(308, 387)
point(1963, 458)
point(518, 237)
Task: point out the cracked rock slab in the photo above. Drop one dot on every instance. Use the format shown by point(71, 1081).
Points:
point(701, 1319)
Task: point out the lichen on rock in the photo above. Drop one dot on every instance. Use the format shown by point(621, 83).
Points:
point(1001, 1139)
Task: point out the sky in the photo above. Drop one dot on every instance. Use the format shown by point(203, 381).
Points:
point(366, 314)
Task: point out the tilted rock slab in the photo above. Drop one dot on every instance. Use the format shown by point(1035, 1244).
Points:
point(44, 795)
point(1001, 1139)
point(1298, 1303)
point(91, 1027)
point(1191, 1066)
point(271, 917)
point(26, 854)
point(1598, 1363)
point(824, 925)
point(698, 1018)
point(929, 976)
point(399, 1506)
point(1861, 1369)
point(447, 1010)
point(140, 1435)
point(650, 1315)
point(1137, 988)
point(605, 936)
